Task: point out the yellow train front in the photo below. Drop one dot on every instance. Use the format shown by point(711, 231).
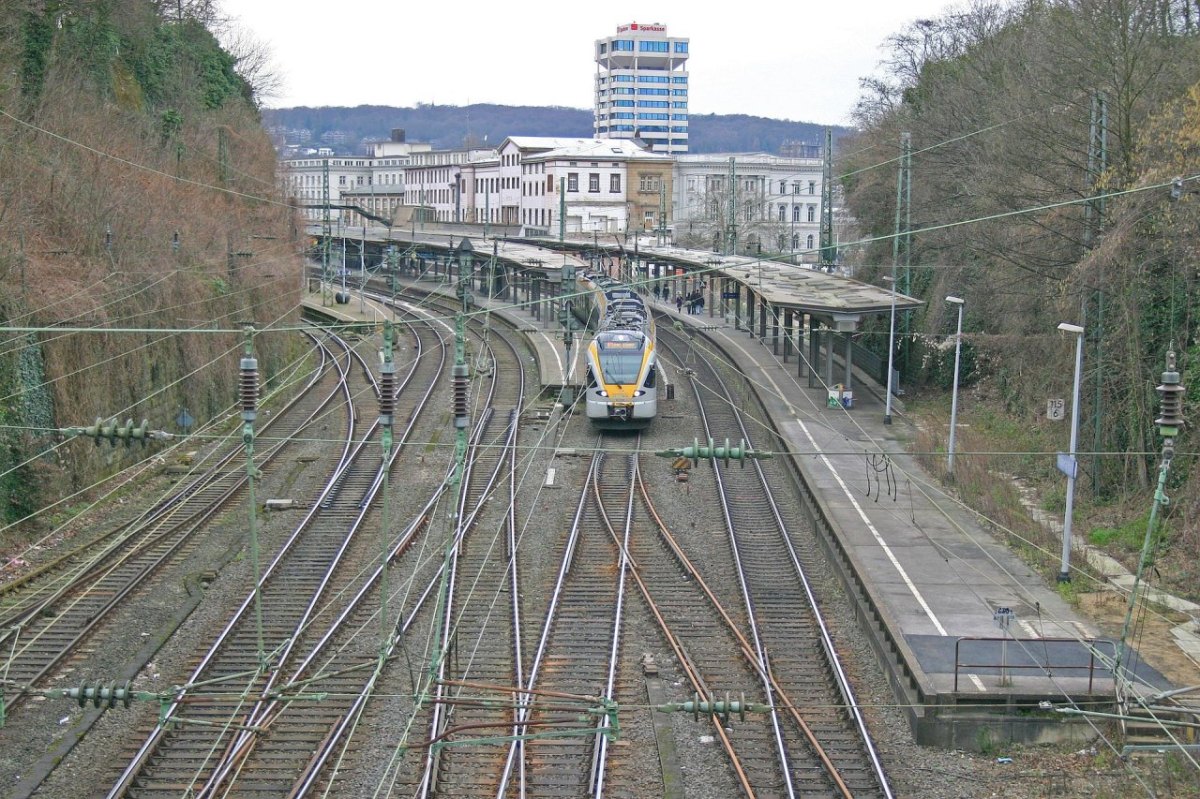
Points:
point(621, 376)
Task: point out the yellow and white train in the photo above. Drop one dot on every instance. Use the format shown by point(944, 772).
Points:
point(620, 390)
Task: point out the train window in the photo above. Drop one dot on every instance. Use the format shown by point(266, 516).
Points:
point(591, 378)
point(651, 374)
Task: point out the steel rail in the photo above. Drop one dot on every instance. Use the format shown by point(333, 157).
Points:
point(165, 721)
point(760, 653)
point(833, 663)
point(262, 721)
point(525, 697)
point(156, 513)
point(600, 749)
point(95, 615)
point(267, 705)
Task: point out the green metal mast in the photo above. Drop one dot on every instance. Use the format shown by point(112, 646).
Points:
point(1170, 396)
point(562, 209)
point(828, 252)
point(326, 231)
point(462, 418)
point(387, 411)
point(248, 390)
point(731, 210)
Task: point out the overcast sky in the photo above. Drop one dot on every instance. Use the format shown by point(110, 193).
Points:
point(798, 60)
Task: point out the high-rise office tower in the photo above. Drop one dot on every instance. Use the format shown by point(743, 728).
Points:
point(642, 87)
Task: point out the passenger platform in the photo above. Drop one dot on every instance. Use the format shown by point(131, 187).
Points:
point(973, 638)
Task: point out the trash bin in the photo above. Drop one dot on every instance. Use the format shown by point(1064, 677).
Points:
point(847, 399)
point(835, 396)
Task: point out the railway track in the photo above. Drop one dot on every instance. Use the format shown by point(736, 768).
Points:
point(48, 616)
point(237, 686)
point(822, 742)
point(482, 607)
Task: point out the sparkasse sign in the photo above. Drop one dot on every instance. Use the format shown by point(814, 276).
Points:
point(634, 26)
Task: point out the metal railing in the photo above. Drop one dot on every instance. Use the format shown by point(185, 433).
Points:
point(1036, 656)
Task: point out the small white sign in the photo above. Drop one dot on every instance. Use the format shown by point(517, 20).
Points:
point(1056, 409)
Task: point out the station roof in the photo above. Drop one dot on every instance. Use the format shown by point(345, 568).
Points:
point(799, 286)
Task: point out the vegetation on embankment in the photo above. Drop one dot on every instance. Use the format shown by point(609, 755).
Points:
point(1021, 115)
point(137, 191)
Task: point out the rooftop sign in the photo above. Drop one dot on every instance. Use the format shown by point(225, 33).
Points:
point(633, 26)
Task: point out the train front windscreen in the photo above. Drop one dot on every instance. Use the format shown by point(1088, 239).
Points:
point(620, 358)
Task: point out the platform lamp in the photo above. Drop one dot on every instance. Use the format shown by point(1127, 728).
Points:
point(1069, 465)
point(954, 395)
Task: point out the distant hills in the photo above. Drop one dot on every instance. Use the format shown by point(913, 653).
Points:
point(447, 126)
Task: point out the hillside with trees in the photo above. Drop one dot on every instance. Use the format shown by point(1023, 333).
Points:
point(137, 191)
point(447, 126)
point(1045, 137)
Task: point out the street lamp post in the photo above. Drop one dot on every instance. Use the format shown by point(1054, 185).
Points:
point(1070, 465)
point(954, 396)
point(887, 409)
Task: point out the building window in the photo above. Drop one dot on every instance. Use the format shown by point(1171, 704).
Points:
point(648, 220)
point(681, 47)
point(572, 181)
point(594, 182)
point(679, 92)
point(795, 242)
point(795, 213)
point(812, 187)
point(749, 211)
point(653, 47)
point(649, 182)
point(679, 79)
point(623, 45)
point(678, 104)
point(341, 180)
point(812, 213)
point(622, 78)
point(658, 91)
point(809, 242)
point(796, 188)
point(614, 184)
point(782, 214)
point(783, 187)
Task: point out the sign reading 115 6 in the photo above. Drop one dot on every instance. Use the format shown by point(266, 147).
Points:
point(1056, 409)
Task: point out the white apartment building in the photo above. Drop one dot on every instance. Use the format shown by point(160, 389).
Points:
point(642, 87)
point(302, 179)
point(592, 185)
point(380, 172)
point(768, 202)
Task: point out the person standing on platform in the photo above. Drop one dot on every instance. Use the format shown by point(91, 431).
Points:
point(679, 303)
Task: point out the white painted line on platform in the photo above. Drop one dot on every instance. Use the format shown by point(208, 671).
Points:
point(853, 501)
point(1029, 629)
point(875, 533)
point(978, 683)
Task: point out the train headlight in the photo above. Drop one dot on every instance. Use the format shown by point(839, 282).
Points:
point(638, 393)
point(602, 393)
